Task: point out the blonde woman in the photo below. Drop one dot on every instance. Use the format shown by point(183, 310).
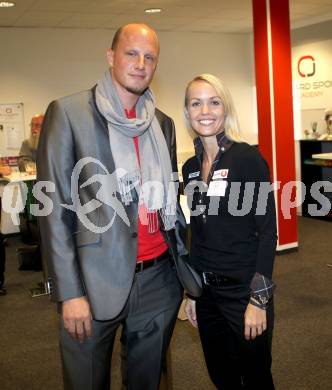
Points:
point(233, 241)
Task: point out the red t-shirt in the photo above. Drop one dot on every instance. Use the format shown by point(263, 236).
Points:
point(150, 245)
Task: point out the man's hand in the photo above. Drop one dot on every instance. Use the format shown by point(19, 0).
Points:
point(5, 170)
point(254, 322)
point(190, 310)
point(77, 318)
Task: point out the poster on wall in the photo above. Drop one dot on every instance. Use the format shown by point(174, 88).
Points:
point(11, 126)
point(312, 85)
point(312, 75)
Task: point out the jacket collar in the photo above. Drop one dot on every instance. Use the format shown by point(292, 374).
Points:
point(224, 144)
point(92, 102)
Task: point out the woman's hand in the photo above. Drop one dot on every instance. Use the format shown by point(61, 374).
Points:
point(254, 322)
point(190, 309)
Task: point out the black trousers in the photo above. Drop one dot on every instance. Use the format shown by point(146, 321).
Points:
point(2, 261)
point(232, 361)
point(147, 321)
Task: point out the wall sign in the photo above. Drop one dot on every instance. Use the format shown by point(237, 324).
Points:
point(11, 126)
point(312, 75)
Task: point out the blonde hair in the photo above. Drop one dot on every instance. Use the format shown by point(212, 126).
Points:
point(231, 125)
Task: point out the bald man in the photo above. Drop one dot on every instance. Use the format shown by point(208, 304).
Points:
point(110, 261)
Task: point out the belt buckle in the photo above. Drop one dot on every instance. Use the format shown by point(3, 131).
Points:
point(205, 277)
point(139, 267)
point(213, 279)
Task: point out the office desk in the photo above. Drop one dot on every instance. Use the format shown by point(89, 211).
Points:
point(7, 225)
point(322, 156)
point(316, 166)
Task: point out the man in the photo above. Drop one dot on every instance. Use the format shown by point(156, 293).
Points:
point(328, 121)
point(29, 146)
point(120, 274)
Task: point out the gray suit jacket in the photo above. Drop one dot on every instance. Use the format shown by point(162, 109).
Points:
point(100, 265)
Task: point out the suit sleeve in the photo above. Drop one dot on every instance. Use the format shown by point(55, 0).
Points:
point(168, 129)
point(55, 163)
point(180, 226)
point(174, 160)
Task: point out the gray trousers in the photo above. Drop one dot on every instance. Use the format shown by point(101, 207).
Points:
point(147, 320)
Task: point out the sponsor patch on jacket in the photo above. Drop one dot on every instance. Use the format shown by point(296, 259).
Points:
point(220, 174)
point(193, 174)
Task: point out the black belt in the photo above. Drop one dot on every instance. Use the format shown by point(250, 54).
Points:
point(214, 279)
point(142, 265)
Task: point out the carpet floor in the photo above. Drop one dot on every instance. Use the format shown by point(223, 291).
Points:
point(302, 344)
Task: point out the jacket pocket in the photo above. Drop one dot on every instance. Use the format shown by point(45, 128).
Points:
point(84, 238)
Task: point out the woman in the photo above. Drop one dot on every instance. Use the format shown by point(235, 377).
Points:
point(233, 241)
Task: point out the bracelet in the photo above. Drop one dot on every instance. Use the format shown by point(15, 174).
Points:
point(258, 304)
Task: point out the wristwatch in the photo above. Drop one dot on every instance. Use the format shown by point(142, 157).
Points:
point(260, 301)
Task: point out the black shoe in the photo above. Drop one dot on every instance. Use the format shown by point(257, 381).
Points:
point(3, 291)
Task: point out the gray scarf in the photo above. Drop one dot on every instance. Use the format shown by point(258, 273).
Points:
point(152, 179)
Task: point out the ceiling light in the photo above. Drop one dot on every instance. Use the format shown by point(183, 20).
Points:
point(152, 10)
point(6, 4)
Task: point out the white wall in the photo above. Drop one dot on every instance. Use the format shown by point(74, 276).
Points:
point(312, 95)
point(185, 56)
point(39, 65)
